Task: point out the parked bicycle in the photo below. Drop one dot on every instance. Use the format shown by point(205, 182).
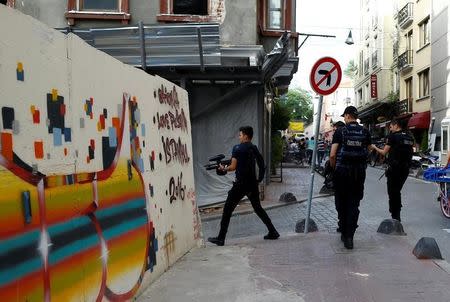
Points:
point(441, 176)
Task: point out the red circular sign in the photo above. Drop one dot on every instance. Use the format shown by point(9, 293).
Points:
point(325, 76)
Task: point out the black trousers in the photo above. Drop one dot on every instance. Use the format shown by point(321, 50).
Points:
point(348, 192)
point(396, 177)
point(237, 192)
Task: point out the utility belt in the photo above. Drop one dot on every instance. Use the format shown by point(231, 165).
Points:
point(395, 164)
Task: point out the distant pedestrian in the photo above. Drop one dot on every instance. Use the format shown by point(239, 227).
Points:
point(399, 148)
point(349, 159)
point(243, 159)
point(310, 149)
point(320, 150)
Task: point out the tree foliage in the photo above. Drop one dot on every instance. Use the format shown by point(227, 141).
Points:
point(281, 116)
point(351, 70)
point(299, 103)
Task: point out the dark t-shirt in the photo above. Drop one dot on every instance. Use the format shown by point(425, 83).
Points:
point(246, 155)
point(401, 150)
point(338, 138)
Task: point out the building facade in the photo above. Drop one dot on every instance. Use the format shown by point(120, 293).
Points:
point(440, 78)
point(394, 61)
point(334, 105)
point(374, 83)
point(413, 57)
point(231, 56)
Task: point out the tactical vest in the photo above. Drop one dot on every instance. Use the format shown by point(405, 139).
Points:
point(401, 153)
point(353, 148)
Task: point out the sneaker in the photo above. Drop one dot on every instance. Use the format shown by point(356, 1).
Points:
point(348, 242)
point(272, 236)
point(216, 241)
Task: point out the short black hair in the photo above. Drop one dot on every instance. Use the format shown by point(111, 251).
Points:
point(247, 130)
point(398, 122)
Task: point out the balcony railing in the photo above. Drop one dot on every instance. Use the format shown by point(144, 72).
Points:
point(374, 59)
point(405, 60)
point(404, 106)
point(405, 15)
point(366, 66)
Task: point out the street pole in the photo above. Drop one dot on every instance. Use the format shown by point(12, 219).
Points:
point(313, 163)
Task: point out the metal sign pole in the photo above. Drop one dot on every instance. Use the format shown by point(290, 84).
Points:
point(313, 163)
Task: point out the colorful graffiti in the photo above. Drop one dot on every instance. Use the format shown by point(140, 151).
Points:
point(101, 235)
point(84, 172)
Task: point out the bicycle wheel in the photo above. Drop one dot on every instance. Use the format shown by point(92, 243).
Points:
point(444, 200)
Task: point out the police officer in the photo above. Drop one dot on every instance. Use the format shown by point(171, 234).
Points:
point(348, 157)
point(243, 160)
point(399, 150)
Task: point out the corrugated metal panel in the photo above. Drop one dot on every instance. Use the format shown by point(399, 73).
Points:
point(177, 45)
point(172, 45)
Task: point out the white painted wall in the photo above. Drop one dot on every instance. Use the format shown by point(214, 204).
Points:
point(121, 246)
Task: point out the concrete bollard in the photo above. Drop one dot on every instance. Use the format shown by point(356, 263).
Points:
point(391, 227)
point(427, 248)
point(300, 226)
point(287, 197)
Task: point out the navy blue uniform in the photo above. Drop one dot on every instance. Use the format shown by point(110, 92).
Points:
point(246, 184)
point(399, 161)
point(350, 174)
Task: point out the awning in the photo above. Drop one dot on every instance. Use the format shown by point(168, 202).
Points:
point(419, 120)
point(369, 110)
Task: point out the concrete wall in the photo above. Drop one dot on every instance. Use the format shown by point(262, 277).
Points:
point(95, 166)
point(239, 26)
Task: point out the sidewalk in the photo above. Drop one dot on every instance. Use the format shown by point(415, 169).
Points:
point(295, 180)
point(297, 267)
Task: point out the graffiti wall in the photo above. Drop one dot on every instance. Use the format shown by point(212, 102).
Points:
point(97, 191)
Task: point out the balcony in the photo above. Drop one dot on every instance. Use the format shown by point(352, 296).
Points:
point(366, 66)
point(405, 61)
point(374, 59)
point(404, 106)
point(405, 15)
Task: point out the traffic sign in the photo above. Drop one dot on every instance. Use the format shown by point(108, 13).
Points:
point(325, 76)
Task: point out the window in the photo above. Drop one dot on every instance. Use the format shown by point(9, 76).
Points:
point(275, 14)
point(424, 34)
point(424, 83)
point(444, 139)
point(189, 11)
point(99, 5)
point(9, 3)
point(98, 9)
point(409, 93)
point(409, 40)
point(408, 88)
point(190, 7)
point(360, 97)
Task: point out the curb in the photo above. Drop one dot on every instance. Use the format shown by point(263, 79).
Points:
point(269, 207)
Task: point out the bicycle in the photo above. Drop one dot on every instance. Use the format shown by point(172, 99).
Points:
point(441, 176)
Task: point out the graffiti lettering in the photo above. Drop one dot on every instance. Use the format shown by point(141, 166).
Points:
point(170, 98)
point(172, 121)
point(177, 190)
point(175, 150)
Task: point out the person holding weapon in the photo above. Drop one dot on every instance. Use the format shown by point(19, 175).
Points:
point(243, 159)
point(399, 148)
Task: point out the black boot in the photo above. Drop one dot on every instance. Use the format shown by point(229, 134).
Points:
point(348, 242)
point(272, 235)
point(216, 241)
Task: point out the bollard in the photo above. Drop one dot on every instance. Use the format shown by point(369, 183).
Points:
point(300, 226)
point(287, 197)
point(427, 248)
point(391, 227)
